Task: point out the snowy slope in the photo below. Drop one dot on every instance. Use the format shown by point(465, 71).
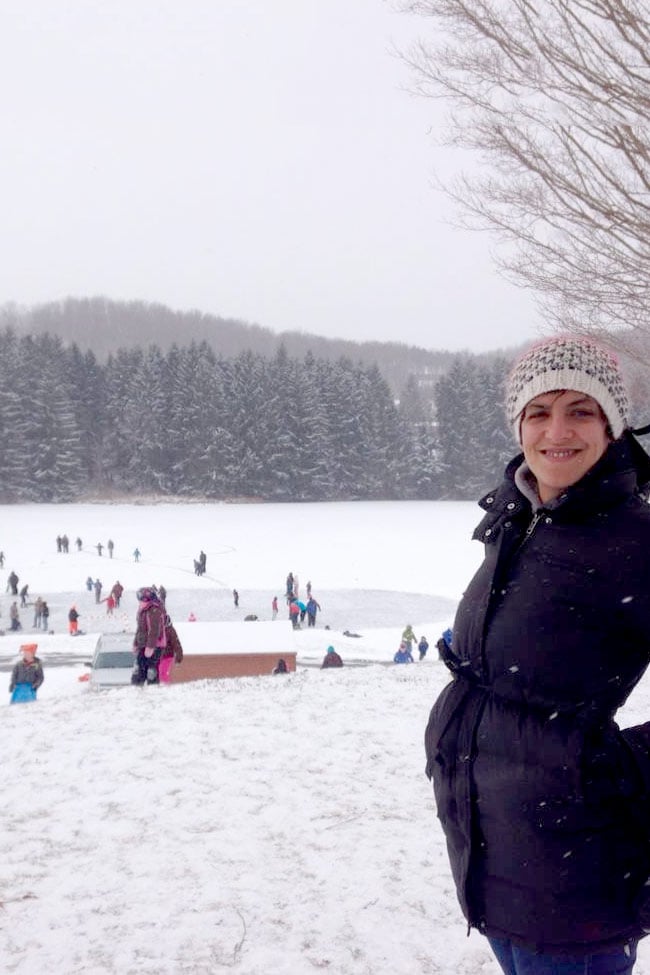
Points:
point(261, 825)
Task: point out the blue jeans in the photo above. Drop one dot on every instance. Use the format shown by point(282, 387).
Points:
point(524, 961)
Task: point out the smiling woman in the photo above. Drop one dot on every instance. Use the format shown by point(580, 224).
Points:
point(563, 434)
point(537, 789)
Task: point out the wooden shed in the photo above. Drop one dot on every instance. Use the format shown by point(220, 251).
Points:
point(250, 649)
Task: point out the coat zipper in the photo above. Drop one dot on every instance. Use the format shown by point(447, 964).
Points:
point(533, 525)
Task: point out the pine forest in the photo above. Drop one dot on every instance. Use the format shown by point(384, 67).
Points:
point(188, 424)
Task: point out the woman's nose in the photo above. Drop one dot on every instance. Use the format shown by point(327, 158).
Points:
point(559, 427)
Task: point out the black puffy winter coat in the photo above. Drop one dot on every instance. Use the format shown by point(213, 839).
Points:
point(545, 803)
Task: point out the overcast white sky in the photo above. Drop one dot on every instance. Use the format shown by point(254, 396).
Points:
point(258, 159)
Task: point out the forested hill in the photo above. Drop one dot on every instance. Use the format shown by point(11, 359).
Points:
point(189, 422)
point(103, 326)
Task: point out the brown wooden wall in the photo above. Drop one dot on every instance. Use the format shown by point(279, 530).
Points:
point(211, 665)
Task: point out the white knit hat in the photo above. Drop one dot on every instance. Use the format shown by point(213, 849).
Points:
point(567, 362)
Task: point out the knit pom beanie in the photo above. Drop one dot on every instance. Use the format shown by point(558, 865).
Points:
point(567, 362)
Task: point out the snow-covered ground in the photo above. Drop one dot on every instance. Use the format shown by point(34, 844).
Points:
point(263, 825)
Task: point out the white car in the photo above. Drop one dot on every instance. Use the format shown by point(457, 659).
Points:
point(110, 668)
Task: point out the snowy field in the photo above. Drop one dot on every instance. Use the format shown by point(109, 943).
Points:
point(263, 825)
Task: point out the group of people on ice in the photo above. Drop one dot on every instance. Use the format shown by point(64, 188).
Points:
point(200, 563)
point(404, 654)
point(63, 545)
point(41, 614)
point(298, 609)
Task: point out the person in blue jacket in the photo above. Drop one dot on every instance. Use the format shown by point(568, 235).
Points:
point(312, 608)
point(423, 646)
point(403, 655)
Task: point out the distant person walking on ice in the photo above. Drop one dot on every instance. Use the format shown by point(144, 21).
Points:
point(79, 544)
point(98, 590)
point(312, 608)
point(73, 617)
point(110, 546)
point(14, 616)
point(26, 676)
point(235, 597)
point(100, 548)
point(136, 554)
point(274, 608)
point(294, 613)
point(423, 646)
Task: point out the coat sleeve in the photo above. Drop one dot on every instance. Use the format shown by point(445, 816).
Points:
point(174, 643)
point(39, 678)
point(154, 626)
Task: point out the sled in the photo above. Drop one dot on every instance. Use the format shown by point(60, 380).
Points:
point(22, 693)
point(164, 669)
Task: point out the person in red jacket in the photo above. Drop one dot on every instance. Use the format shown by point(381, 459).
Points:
point(294, 613)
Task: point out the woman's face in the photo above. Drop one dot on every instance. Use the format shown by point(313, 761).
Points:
point(563, 434)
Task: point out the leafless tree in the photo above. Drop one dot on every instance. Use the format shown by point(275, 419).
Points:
point(554, 95)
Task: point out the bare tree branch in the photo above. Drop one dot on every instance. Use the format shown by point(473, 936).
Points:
point(553, 99)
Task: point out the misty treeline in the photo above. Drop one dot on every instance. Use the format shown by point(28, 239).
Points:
point(186, 423)
point(104, 325)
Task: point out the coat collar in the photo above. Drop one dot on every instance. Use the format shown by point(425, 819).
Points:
point(622, 471)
